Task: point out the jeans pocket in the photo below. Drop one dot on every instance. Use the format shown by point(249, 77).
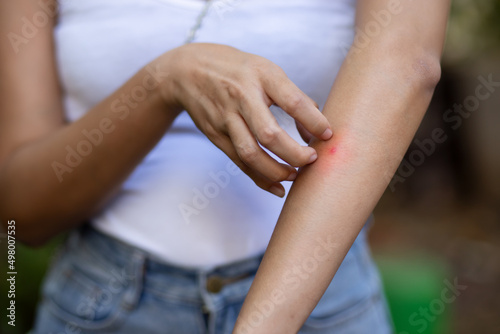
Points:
point(329, 323)
point(86, 295)
point(352, 292)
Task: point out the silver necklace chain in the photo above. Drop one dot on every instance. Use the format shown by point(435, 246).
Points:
point(199, 20)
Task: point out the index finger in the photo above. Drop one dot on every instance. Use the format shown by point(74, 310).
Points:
point(296, 103)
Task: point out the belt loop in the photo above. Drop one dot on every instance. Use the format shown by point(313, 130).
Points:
point(202, 285)
point(208, 301)
point(209, 304)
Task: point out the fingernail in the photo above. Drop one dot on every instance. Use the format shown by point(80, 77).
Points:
point(292, 176)
point(327, 134)
point(278, 191)
point(313, 158)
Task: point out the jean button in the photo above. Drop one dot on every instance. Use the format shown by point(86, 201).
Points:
point(214, 284)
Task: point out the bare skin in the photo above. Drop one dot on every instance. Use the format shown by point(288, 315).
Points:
point(375, 106)
point(226, 92)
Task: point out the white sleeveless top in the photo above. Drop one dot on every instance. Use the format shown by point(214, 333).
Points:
point(187, 203)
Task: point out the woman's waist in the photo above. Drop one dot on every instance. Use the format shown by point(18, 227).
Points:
point(202, 229)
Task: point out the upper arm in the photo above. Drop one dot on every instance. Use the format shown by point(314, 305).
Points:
point(409, 35)
point(417, 25)
point(30, 100)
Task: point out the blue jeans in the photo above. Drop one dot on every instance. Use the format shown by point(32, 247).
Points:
point(98, 284)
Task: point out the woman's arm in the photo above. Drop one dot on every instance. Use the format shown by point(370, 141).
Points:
point(375, 106)
point(54, 175)
point(45, 188)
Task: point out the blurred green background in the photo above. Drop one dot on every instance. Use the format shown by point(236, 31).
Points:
point(441, 224)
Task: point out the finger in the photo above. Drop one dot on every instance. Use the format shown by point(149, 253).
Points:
point(253, 155)
point(225, 144)
point(306, 135)
point(314, 102)
point(266, 129)
point(296, 103)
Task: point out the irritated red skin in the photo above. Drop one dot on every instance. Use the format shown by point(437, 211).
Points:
point(328, 156)
point(331, 154)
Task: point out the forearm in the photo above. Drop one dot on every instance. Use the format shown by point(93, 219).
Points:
point(375, 107)
point(328, 205)
point(53, 183)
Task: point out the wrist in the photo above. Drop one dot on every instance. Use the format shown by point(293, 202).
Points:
point(157, 79)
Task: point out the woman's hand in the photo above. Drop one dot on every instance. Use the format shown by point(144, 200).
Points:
point(228, 93)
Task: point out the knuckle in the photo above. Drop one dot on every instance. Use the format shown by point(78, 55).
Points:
point(268, 135)
point(268, 71)
point(293, 101)
point(248, 153)
point(234, 90)
point(261, 64)
point(272, 68)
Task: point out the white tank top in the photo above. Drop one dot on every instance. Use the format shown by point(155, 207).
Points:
point(187, 203)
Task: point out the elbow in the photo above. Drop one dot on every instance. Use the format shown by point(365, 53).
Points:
point(416, 64)
point(426, 69)
point(416, 73)
point(25, 227)
point(25, 233)
point(36, 222)
point(33, 240)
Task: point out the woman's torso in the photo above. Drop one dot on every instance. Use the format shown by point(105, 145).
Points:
point(186, 202)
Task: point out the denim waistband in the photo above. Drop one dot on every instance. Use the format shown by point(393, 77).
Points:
point(98, 282)
point(119, 252)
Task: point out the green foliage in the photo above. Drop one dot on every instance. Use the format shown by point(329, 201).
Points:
point(31, 265)
point(474, 28)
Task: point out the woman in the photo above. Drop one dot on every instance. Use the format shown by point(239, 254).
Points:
point(93, 130)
